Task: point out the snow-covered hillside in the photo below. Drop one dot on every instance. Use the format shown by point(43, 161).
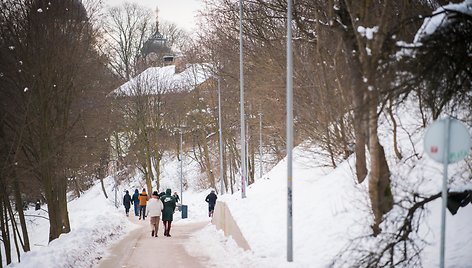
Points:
point(331, 211)
point(95, 224)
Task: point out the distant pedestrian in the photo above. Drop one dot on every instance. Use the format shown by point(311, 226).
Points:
point(135, 201)
point(176, 197)
point(143, 198)
point(127, 202)
point(168, 212)
point(153, 210)
point(211, 200)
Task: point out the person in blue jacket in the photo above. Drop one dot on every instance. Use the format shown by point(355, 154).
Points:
point(135, 201)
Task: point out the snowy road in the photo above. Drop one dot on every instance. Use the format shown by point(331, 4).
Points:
point(138, 249)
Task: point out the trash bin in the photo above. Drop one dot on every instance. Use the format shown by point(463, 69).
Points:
point(184, 211)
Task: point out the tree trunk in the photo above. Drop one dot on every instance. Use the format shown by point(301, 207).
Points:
point(225, 168)
point(62, 197)
point(330, 148)
point(158, 173)
point(206, 159)
point(103, 187)
point(158, 168)
point(251, 166)
point(21, 215)
point(76, 186)
point(379, 181)
point(55, 220)
point(231, 173)
point(4, 227)
point(149, 166)
point(14, 229)
point(394, 125)
point(357, 91)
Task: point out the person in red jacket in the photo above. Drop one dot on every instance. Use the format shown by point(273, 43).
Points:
point(143, 198)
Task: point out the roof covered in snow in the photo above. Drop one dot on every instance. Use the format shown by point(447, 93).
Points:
point(160, 80)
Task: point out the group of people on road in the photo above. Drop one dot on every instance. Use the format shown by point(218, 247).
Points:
point(159, 204)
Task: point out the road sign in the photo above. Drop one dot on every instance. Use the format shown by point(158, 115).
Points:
point(446, 141)
point(459, 141)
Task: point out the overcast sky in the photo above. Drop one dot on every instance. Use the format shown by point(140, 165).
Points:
point(181, 12)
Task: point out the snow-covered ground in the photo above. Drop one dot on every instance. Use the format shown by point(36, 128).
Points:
point(329, 209)
point(95, 224)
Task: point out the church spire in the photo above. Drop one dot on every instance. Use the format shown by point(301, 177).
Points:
point(157, 19)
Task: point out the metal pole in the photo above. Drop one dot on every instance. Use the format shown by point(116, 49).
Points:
point(444, 191)
point(247, 153)
point(116, 185)
point(289, 133)
point(241, 86)
point(221, 138)
point(181, 173)
point(260, 145)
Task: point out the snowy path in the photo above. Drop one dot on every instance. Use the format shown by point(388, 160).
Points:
point(138, 249)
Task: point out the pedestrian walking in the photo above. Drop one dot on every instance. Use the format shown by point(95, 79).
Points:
point(127, 202)
point(153, 210)
point(211, 200)
point(176, 197)
point(143, 198)
point(168, 212)
point(135, 201)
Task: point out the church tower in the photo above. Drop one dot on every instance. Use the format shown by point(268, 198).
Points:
point(155, 50)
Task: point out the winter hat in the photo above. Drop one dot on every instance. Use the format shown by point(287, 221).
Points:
point(155, 193)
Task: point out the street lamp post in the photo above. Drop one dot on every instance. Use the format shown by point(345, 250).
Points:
point(221, 138)
point(246, 146)
point(260, 145)
point(241, 86)
point(181, 173)
point(289, 133)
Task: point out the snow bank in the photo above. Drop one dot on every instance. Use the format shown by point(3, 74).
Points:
point(95, 224)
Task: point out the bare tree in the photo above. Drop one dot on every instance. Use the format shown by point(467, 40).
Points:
point(126, 29)
point(49, 55)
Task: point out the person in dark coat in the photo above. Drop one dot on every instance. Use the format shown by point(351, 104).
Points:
point(211, 200)
point(135, 201)
point(127, 202)
point(168, 212)
point(176, 197)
